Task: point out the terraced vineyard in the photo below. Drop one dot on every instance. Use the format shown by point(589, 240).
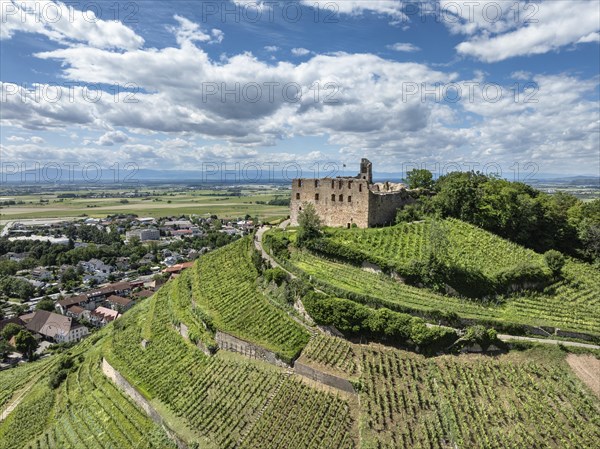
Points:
point(14, 379)
point(476, 402)
point(86, 411)
point(222, 401)
point(466, 245)
point(225, 288)
point(572, 304)
point(331, 352)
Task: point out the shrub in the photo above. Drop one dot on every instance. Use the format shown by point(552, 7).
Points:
point(276, 275)
point(555, 262)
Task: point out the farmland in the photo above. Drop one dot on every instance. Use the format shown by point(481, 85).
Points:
point(159, 202)
point(472, 401)
point(225, 288)
point(86, 410)
point(570, 304)
point(221, 401)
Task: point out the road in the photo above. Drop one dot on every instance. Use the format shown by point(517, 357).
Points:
point(503, 337)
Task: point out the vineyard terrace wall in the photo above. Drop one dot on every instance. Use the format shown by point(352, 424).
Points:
point(228, 342)
point(324, 378)
point(140, 400)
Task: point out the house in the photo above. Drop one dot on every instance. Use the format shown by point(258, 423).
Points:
point(80, 300)
point(96, 266)
point(178, 268)
point(59, 328)
point(143, 294)
point(41, 274)
point(122, 263)
point(119, 303)
point(143, 234)
point(102, 316)
point(78, 313)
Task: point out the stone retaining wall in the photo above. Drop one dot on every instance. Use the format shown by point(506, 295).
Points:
point(322, 377)
point(140, 400)
point(230, 343)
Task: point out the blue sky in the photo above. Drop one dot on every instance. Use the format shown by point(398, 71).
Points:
point(253, 82)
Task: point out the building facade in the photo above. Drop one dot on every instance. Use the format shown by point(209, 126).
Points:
point(349, 201)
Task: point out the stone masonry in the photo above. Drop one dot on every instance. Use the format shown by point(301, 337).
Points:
point(348, 201)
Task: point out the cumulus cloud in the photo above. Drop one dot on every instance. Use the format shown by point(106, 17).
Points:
point(404, 47)
point(188, 31)
point(65, 24)
point(391, 8)
point(503, 29)
point(300, 51)
point(110, 138)
point(271, 48)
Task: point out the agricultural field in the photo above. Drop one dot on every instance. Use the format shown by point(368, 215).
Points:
point(86, 410)
point(571, 304)
point(457, 242)
point(158, 203)
point(514, 401)
point(219, 401)
point(225, 288)
point(13, 380)
point(333, 353)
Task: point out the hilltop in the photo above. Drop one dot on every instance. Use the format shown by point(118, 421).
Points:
point(222, 356)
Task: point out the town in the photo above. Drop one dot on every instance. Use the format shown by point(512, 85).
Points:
point(62, 280)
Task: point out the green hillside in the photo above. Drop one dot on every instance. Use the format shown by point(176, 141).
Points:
point(402, 401)
point(571, 303)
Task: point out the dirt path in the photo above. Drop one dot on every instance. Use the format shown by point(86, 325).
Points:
point(587, 368)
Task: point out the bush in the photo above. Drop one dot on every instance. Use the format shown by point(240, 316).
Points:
point(57, 378)
point(276, 275)
point(555, 262)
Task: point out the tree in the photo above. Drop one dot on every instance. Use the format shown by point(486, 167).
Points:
point(5, 349)
point(555, 261)
point(309, 224)
point(419, 178)
point(45, 304)
point(26, 343)
point(10, 330)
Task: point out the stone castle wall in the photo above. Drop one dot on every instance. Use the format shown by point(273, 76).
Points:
point(383, 206)
point(339, 202)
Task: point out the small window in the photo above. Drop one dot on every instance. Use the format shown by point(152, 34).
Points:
point(299, 183)
point(360, 187)
point(333, 197)
point(297, 196)
point(341, 197)
point(316, 197)
point(349, 199)
point(332, 184)
point(317, 183)
point(340, 184)
point(300, 208)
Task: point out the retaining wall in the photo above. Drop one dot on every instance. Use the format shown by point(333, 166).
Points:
point(230, 343)
point(140, 400)
point(325, 378)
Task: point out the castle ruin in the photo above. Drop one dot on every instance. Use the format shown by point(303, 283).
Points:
point(349, 200)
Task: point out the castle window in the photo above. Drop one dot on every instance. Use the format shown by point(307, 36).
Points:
point(299, 183)
point(349, 184)
point(349, 199)
point(332, 184)
point(316, 197)
point(340, 184)
point(360, 187)
point(297, 196)
point(341, 197)
point(333, 197)
point(316, 183)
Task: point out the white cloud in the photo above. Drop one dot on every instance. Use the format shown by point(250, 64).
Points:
point(65, 24)
point(271, 48)
point(188, 31)
point(300, 51)
point(498, 30)
point(37, 140)
point(403, 46)
point(391, 8)
point(112, 137)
